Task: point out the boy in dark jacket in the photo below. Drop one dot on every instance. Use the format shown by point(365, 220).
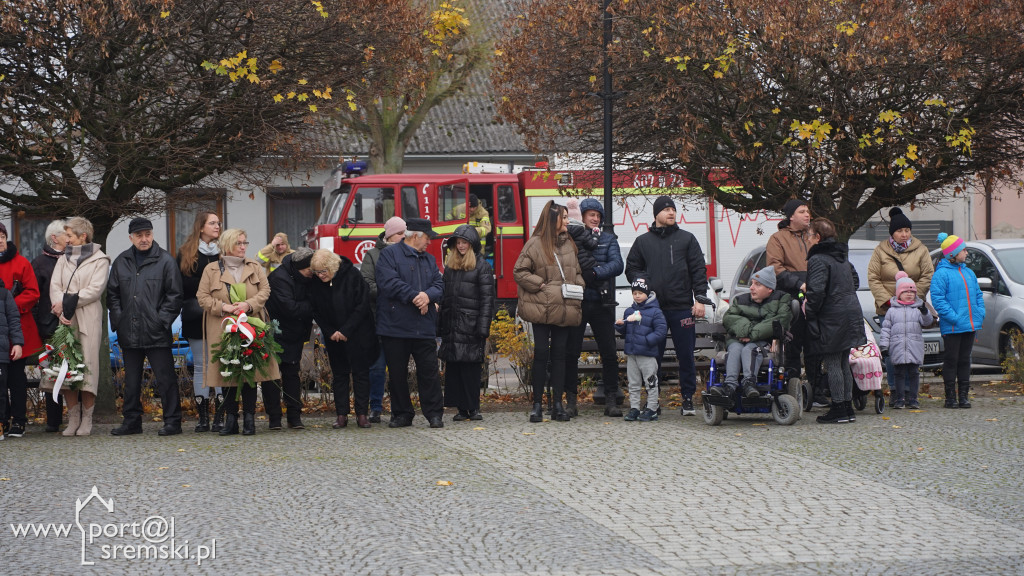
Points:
point(645, 328)
point(750, 324)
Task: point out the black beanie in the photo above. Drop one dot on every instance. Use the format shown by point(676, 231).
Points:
point(897, 221)
point(661, 203)
point(790, 208)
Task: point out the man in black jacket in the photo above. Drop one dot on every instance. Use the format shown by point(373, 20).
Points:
point(672, 262)
point(290, 305)
point(144, 297)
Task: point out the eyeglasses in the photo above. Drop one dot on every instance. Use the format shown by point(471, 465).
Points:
point(217, 224)
point(241, 243)
point(320, 272)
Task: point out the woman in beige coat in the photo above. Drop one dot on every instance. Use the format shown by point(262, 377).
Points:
point(83, 270)
point(548, 257)
point(233, 268)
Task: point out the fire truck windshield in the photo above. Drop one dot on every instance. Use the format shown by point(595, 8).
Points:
point(334, 204)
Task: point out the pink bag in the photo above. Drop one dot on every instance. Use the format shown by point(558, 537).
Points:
point(866, 363)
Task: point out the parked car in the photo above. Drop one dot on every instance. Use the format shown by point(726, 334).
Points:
point(999, 266)
point(860, 255)
point(180, 349)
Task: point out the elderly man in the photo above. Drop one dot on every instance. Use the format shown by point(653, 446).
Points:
point(144, 294)
point(408, 288)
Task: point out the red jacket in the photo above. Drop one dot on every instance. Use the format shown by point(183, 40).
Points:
point(15, 267)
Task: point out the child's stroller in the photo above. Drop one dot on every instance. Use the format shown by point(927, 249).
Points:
point(866, 364)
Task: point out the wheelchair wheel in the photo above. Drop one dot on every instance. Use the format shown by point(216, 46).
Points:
point(807, 395)
point(879, 403)
point(859, 402)
point(786, 411)
point(795, 389)
point(713, 415)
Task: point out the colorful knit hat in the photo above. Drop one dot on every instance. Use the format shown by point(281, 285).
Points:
point(904, 284)
point(951, 245)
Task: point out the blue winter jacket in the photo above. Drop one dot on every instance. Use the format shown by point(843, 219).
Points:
point(643, 338)
point(902, 331)
point(956, 296)
point(609, 266)
point(402, 273)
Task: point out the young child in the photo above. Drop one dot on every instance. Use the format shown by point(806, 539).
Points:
point(957, 298)
point(645, 328)
point(586, 239)
point(750, 324)
point(11, 341)
point(903, 338)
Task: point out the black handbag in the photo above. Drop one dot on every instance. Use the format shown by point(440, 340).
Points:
point(69, 302)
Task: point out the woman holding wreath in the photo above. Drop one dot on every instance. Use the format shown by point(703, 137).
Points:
point(233, 285)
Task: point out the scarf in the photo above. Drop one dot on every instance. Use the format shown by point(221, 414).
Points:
point(208, 248)
point(78, 254)
point(900, 248)
point(234, 265)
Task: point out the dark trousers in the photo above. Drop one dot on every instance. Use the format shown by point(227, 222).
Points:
point(462, 385)
point(162, 362)
point(349, 363)
point(956, 363)
point(549, 346)
point(378, 381)
point(291, 387)
point(908, 380)
point(794, 349)
point(602, 324)
point(231, 400)
point(4, 373)
point(54, 410)
point(684, 337)
point(424, 352)
point(17, 386)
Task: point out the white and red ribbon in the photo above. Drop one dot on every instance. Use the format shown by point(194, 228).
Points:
point(46, 353)
point(240, 326)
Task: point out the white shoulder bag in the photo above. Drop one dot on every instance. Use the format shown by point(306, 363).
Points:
point(569, 291)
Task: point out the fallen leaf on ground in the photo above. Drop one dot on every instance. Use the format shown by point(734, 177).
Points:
point(478, 428)
point(915, 411)
point(895, 426)
point(181, 449)
point(529, 433)
point(163, 468)
point(885, 417)
point(992, 420)
point(920, 448)
point(444, 483)
point(5, 479)
point(186, 485)
point(758, 424)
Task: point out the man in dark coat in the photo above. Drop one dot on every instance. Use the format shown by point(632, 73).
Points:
point(599, 312)
point(144, 296)
point(672, 261)
point(409, 286)
point(290, 305)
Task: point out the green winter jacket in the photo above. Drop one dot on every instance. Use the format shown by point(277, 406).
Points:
point(748, 319)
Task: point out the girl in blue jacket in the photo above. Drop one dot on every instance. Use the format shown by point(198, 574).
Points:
point(956, 296)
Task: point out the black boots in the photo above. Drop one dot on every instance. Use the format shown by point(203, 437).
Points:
point(218, 413)
point(537, 414)
point(951, 396)
point(571, 407)
point(749, 389)
point(203, 409)
point(962, 396)
point(230, 408)
point(248, 423)
point(836, 414)
point(558, 413)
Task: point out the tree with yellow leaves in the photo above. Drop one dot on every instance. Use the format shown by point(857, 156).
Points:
point(854, 106)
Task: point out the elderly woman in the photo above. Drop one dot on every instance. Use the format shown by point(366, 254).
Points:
point(83, 271)
point(199, 250)
point(214, 296)
point(341, 308)
point(18, 277)
point(46, 322)
point(900, 252)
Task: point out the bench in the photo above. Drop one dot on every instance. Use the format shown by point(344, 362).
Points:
point(704, 350)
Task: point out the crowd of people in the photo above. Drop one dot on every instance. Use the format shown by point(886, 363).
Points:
point(397, 305)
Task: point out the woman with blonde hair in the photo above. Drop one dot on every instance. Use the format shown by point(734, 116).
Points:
point(341, 308)
point(548, 261)
point(83, 270)
point(215, 297)
point(466, 310)
point(199, 251)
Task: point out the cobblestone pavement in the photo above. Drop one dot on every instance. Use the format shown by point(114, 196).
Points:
point(930, 492)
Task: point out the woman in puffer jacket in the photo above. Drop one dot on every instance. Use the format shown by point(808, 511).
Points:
point(465, 322)
point(547, 261)
point(956, 296)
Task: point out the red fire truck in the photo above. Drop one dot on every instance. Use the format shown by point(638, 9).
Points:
point(355, 208)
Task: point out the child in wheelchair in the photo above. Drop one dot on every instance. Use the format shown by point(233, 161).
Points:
point(752, 322)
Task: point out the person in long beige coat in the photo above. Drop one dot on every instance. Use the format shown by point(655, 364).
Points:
point(546, 258)
point(83, 269)
point(233, 267)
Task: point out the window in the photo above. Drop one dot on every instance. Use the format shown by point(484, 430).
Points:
point(372, 205)
point(982, 267)
point(182, 207)
point(292, 211)
point(335, 204)
point(753, 264)
point(506, 204)
point(29, 235)
point(410, 202)
point(453, 201)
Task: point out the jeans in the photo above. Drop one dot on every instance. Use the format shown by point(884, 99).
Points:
point(602, 323)
point(161, 360)
point(378, 380)
point(199, 361)
point(428, 381)
point(908, 379)
point(549, 345)
point(684, 337)
point(745, 357)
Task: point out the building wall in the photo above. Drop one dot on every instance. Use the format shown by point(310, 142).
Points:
point(1006, 213)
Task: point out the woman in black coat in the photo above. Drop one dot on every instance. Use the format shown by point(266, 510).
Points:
point(341, 308)
point(199, 250)
point(465, 322)
point(835, 323)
